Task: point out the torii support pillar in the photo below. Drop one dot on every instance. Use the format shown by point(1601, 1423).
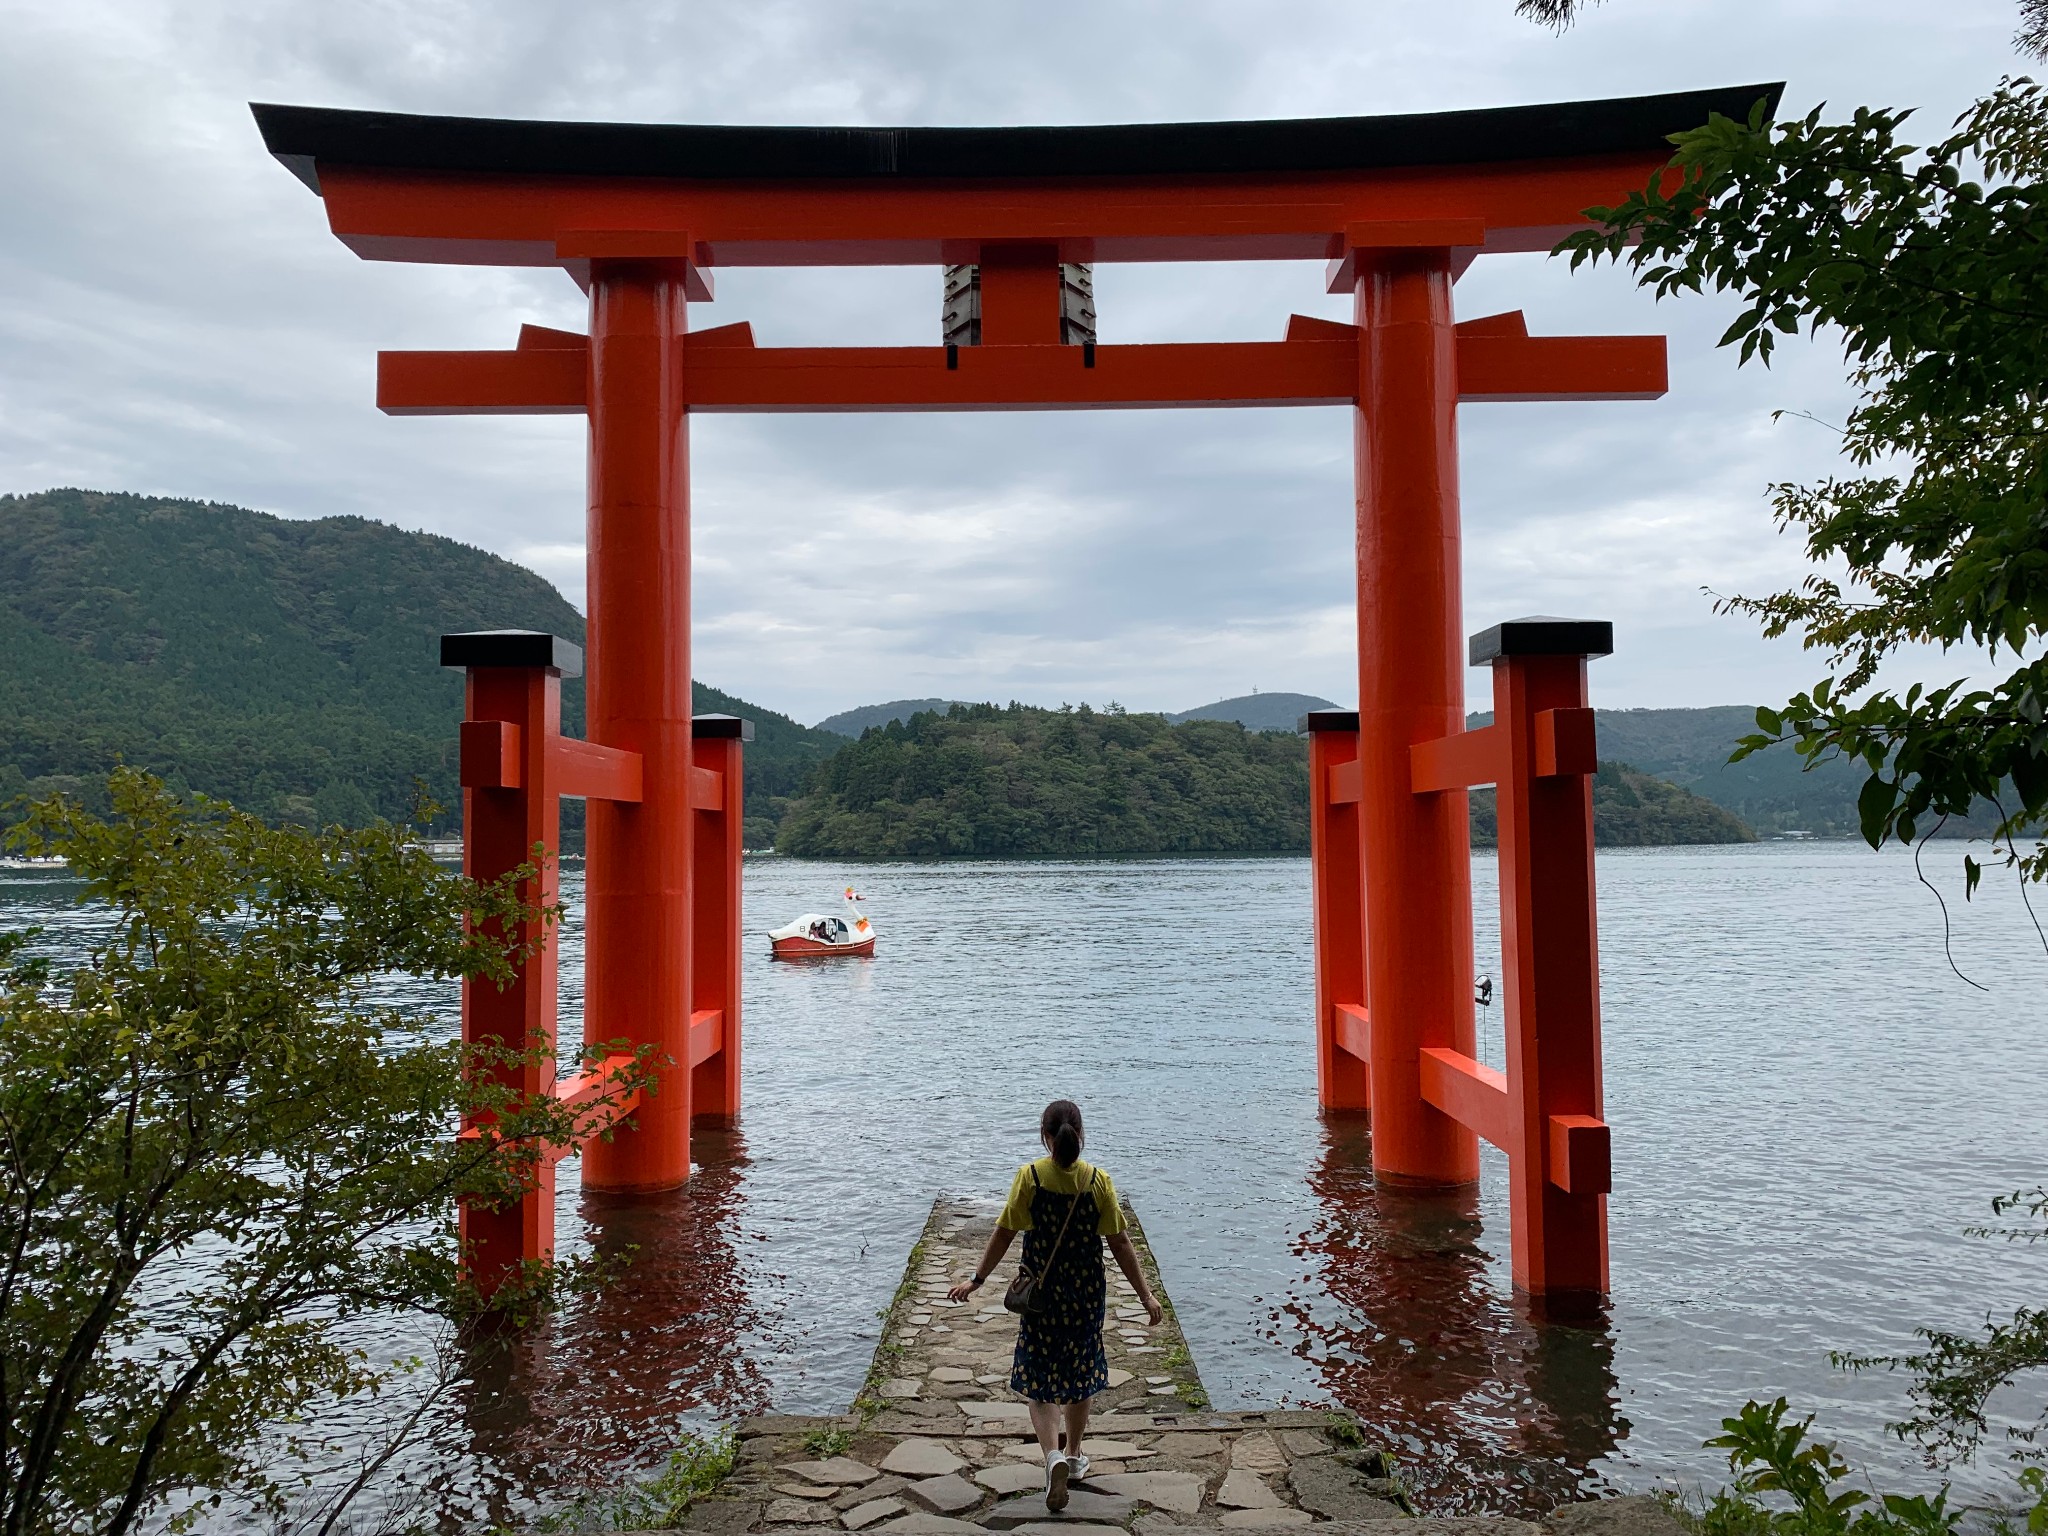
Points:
point(718, 808)
point(1343, 1079)
point(515, 767)
point(638, 985)
point(1416, 853)
point(1545, 1111)
point(1555, 1135)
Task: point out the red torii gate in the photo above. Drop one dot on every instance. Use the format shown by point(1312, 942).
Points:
point(640, 215)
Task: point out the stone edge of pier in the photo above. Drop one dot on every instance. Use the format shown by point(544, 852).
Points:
point(935, 1444)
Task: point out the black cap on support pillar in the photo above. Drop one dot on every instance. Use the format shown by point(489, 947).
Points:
point(1327, 720)
point(1541, 635)
point(720, 728)
point(512, 648)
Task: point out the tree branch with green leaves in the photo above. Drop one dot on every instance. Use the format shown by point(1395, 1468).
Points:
point(1931, 264)
point(2031, 39)
point(220, 1146)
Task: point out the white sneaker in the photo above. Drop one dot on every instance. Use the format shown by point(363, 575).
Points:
point(1057, 1470)
point(1077, 1469)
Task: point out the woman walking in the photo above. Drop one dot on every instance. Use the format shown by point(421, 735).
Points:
point(1065, 1208)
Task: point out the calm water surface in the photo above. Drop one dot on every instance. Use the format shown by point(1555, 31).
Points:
point(1808, 1109)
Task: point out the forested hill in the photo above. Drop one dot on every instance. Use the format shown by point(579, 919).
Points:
point(289, 666)
point(1771, 791)
point(1257, 711)
point(993, 782)
point(1021, 780)
point(851, 722)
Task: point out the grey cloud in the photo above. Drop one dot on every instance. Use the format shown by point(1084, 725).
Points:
point(175, 318)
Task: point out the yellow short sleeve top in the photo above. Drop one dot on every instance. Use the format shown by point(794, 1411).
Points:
point(1109, 1211)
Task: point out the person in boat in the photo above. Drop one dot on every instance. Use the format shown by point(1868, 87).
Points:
point(1066, 1210)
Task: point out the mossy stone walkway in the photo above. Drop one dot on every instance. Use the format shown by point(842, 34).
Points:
point(936, 1443)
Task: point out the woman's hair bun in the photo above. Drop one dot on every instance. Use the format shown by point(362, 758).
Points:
point(1060, 1125)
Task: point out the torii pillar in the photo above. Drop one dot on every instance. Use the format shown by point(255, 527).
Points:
point(1415, 849)
point(639, 858)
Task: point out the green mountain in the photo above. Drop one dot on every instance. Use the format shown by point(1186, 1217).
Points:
point(990, 782)
point(1690, 747)
point(851, 722)
point(1258, 711)
point(1254, 711)
point(289, 666)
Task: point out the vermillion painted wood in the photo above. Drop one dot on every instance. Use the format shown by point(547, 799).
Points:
point(638, 943)
point(1411, 674)
point(640, 214)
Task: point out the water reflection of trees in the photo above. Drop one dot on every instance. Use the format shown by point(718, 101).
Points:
point(1489, 1406)
point(602, 1391)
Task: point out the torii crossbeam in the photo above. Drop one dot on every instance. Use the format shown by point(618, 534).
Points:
point(643, 215)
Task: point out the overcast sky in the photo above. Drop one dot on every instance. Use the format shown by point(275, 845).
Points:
point(175, 319)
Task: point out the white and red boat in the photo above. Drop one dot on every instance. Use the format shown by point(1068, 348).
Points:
point(821, 936)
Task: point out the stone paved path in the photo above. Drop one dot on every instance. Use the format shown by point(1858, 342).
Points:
point(936, 1353)
point(936, 1443)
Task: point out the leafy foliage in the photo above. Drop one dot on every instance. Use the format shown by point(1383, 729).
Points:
point(288, 666)
point(216, 1149)
point(1555, 14)
point(1788, 1484)
point(827, 1441)
point(1937, 285)
point(1955, 1375)
point(698, 1464)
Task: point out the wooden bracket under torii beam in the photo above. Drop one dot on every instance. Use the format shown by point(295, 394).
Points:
point(1463, 238)
point(1317, 364)
point(578, 249)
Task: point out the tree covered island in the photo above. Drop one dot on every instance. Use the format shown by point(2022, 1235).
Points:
point(1016, 781)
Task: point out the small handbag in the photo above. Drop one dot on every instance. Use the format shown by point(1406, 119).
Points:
point(1022, 1297)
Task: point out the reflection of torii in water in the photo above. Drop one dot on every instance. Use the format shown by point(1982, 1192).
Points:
point(566, 1406)
point(1498, 1403)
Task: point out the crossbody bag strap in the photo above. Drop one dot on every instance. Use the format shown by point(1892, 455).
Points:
point(1090, 1190)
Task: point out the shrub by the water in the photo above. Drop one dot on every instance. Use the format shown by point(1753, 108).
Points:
point(1789, 1485)
point(218, 1151)
point(697, 1465)
point(287, 665)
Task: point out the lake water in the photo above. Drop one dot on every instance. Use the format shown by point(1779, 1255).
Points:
point(1808, 1108)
